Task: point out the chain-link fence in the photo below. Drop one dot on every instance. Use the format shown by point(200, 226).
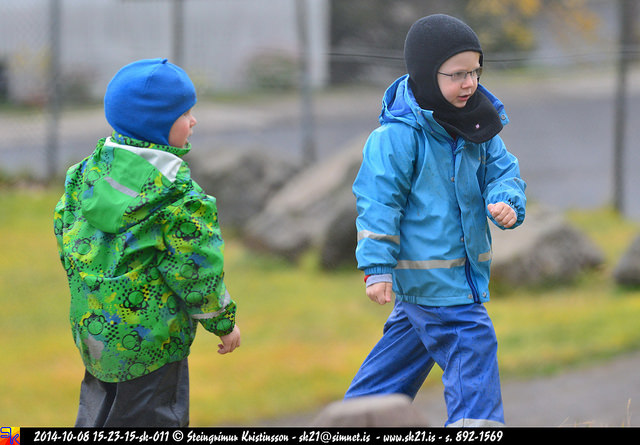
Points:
point(57, 56)
point(24, 64)
point(63, 52)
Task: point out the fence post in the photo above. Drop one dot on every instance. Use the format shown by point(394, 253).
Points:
point(52, 142)
point(620, 119)
point(306, 99)
point(177, 43)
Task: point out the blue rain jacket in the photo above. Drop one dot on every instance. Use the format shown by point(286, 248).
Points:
point(422, 203)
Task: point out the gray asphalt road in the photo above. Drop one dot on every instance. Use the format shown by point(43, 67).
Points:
point(561, 130)
point(563, 134)
point(605, 394)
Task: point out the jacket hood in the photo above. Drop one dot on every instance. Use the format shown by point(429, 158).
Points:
point(121, 185)
point(399, 105)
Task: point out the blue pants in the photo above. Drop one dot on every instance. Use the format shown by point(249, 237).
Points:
point(460, 339)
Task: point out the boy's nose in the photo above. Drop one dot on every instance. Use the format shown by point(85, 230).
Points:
point(468, 82)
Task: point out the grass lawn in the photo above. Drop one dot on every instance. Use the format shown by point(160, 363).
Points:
point(305, 331)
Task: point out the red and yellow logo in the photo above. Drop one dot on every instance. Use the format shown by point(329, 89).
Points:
point(9, 435)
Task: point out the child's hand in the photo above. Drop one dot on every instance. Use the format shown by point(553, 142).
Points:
point(230, 341)
point(380, 292)
point(503, 214)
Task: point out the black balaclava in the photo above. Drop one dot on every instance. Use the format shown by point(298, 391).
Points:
point(429, 43)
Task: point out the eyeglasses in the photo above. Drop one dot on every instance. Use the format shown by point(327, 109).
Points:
point(460, 76)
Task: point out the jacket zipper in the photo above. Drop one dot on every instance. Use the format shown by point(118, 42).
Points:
point(467, 264)
point(474, 290)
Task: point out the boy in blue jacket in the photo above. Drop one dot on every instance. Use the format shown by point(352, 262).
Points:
point(431, 176)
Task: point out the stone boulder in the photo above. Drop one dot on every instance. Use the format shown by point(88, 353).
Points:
point(338, 245)
point(242, 181)
point(627, 271)
point(393, 410)
point(285, 214)
point(316, 208)
point(545, 249)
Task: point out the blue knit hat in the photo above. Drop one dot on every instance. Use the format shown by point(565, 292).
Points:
point(146, 97)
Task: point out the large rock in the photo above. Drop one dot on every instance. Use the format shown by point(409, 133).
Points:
point(242, 181)
point(545, 249)
point(310, 208)
point(393, 410)
point(338, 245)
point(316, 208)
point(627, 271)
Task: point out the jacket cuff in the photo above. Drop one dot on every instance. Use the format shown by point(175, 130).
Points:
point(223, 323)
point(378, 278)
point(377, 270)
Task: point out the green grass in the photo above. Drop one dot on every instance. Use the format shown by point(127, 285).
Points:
point(304, 330)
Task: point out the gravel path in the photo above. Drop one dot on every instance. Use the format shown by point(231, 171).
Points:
point(606, 394)
point(601, 395)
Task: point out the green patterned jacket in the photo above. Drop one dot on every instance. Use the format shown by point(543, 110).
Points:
point(142, 249)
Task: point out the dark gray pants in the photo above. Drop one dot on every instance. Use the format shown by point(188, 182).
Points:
point(157, 399)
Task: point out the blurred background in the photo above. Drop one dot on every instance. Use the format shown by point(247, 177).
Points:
point(574, 60)
point(288, 91)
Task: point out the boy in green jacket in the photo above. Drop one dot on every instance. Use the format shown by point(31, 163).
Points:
point(142, 249)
